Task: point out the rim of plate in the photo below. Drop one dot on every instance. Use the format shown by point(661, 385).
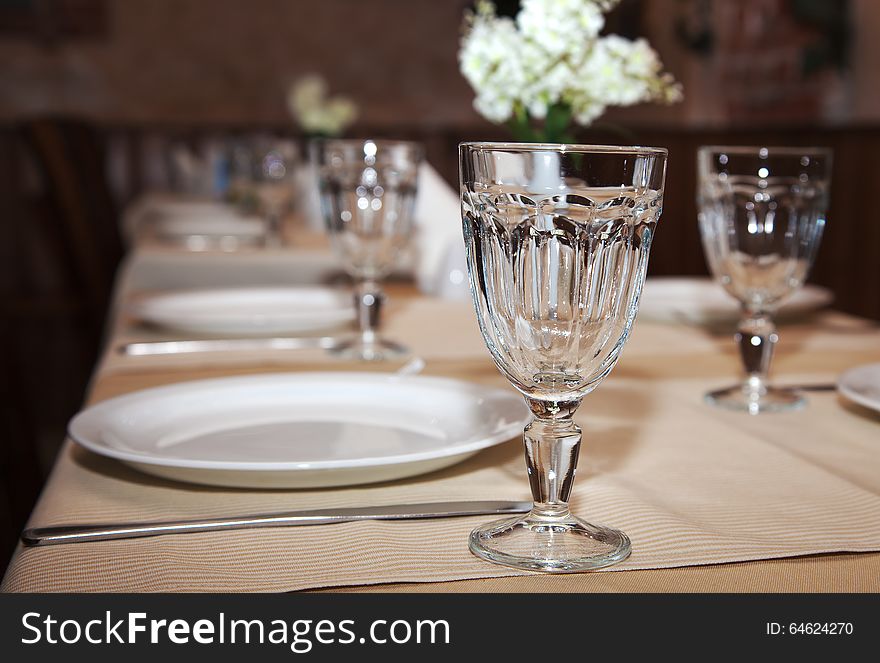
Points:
point(506, 433)
point(853, 395)
point(145, 303)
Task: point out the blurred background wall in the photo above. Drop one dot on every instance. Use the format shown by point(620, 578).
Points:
point(229, 62)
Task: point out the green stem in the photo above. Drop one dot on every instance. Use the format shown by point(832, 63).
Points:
point(520, 125)
point(553, 129)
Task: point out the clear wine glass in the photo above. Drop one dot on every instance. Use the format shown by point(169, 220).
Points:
point(273, 185)
point(368, 190)
point(557, 240)
point(761, 215)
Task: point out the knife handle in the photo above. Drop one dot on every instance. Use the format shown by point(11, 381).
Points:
point(53, 535)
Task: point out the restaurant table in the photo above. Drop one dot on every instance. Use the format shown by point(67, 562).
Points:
point(659, 381)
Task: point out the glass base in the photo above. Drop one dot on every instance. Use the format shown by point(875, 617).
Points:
point(377, 349)
point(744, 400)
point(554, 545)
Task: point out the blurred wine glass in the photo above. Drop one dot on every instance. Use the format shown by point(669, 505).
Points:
point(262, 181)
point(368, 191)
point(761, 215)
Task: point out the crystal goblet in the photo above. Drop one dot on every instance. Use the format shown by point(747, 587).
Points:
point(368, 190)
point(557, 240)
point(273, 185)
point(761, 215)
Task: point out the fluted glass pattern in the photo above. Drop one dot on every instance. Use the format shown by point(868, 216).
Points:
point(557, 260)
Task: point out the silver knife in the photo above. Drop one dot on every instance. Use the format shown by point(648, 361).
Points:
point(57, 534)
point(227, 344)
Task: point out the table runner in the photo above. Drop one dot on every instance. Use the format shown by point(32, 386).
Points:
point(810, 573)
point(434, 329)
point(690, 484)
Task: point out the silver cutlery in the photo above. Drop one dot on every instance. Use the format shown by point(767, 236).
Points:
point(144, 348)
point(831, 386)
point(58, 534)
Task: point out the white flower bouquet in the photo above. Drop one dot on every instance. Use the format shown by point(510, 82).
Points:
point(549, 67)
point(317, 114)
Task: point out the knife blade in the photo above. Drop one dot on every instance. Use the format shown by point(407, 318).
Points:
point(60, 534)
point(144, 348)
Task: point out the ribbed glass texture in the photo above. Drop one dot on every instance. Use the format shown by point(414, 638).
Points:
point(558, 241)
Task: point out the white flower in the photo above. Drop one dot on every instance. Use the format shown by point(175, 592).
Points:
point(306, 93)
point(629, 72)
point(308, 103)
point(551, 54)
point(560, 26)
point(487, 62)
point(493, 107)
point(603, 74)
point(547, 87)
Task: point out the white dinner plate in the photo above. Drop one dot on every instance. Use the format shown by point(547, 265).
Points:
point(226, 225)
point(175, 216)
point(300, 430)
point(205, 225)
point(862, 385)
point(247, 311)
point(703, 301)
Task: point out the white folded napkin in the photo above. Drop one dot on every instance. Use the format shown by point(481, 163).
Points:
point(441, 267)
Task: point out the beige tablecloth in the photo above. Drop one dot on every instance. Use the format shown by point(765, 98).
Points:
point(691, 485)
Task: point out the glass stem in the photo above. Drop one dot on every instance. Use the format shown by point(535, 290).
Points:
point(368, 300)
point(756, 338)
point(552, 443)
